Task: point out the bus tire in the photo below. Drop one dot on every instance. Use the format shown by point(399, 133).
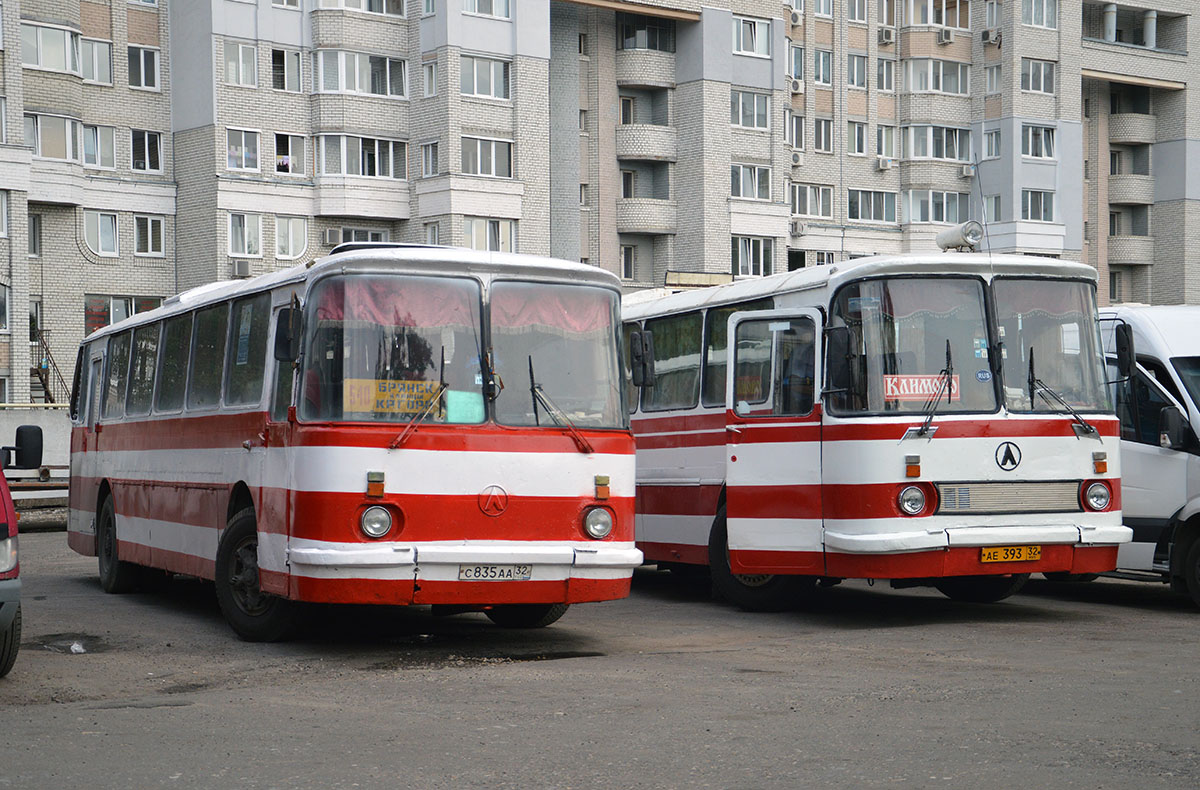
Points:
point(255, 616)
point(526, 615)
point(1191, 572)
point(116, 576)
point(981, 589)
point(1066, 576)
point(758, 593)
point(10, 643)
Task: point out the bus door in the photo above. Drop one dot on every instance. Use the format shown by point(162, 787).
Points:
point(773, 442)
point(95, 391)
point(275, 504)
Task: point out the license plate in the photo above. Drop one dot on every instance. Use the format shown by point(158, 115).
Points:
point(1011, 554)
point(494, 573)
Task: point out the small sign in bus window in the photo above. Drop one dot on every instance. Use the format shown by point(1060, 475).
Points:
point(380, 396)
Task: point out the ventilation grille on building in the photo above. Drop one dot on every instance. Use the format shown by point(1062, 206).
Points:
point(1058, 497)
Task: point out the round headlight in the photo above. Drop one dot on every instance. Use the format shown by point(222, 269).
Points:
point(1098, 496)
point(376, 521)
point(598, 523)
point(912, 500)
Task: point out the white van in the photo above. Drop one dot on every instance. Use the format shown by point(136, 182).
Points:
point(1159, 409)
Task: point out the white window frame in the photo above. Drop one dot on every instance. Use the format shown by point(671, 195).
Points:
point(286, 225)
point(753, 257)
point(286, 3)
point(94, 58)
point(350, 234)
point(430, 165)
point(1037, 142)
point(150, 221)
point(93, 232)
point(429, 84)
point(397, 155)
point(991, 14)
point(70, 45)
point(928, 138)
point(856, 138)
point(823, 67)
point(825, 124)
point(143, 53)
point(992, 75)
point(815, 195)
point(931, 197)
point(350, 66)
point(628, 184)
point(628, 261)
point(738, 100)
point(992, 205)
point(856, 71)
point(885, 76)
point(433, 233)
point(102, 134)
point(867, 197)
point(72, 131)
point(293, 60)
point(1040, 13)
point(505, 233)
point(929, 74)
point(887, 13)
point(3, 213)
point(493, 142)
point(229, 130)
point(925, 12)
point(158, 137)
point(494, 9)
point(290, 169)
point(751, 37)
point(1034, 75)
point(856, 10)
point(1032, 199)
point(34, 248)
point(251, 225)
point(824, 258)
point(750, 179)
point(493, 64)
point(822, 8)
point(992, 139)
point(795, 131)
point(885, 141)
point(246, 60)
point(796, 61)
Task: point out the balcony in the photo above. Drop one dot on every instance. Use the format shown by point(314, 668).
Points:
point(1131, 128)
point(647, 141)
point(354, 196)
point(1131, 189)
point(645, 68)
point(1131, 250)
point(646, 216)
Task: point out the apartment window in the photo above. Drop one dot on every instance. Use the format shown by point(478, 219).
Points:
point(750, 182)
point(35, 229)
point(628, 261)
point(992, 14)
point(240, 64)
point(583, 45)
point(823, 67)
point(100, 232)
point(583, 120)
point(1037, 76)
point(289, 154)
point(823, 135)
point(148, 235)
point(810, 200)
point(924, 205)
point(53, 48)
point(429, 78)
point(3, 213)
point(241, 149)
point(491, 235)
point(856, 10)
point(245, 235)
point(867, 206)
point(97, 61)
point(885, 77)
point(991, 144)
point(485, 77)
point(433, 233)
point(751, 36)
point(363, 234)
point(856, 71)
point(429, 160)
point(796, 64)
point(583, 194)
point(1116, 289)
point(1114, 223)
point(1037, 141)
point(944, 13)
point(143, 68)
point(3, 120)
point(483, 157)
point(53, 137)
point(355, 72)
point(927, 75)
point(797, 132)
point(286, 3)
point(748, 110)
point(99, 149)
point(1040, 13)
point(887, 13)
point(1114, 163)
point(1037, 206)
point(628, 183)
point(362, 156)
point(992, 75)
point(825, 258)
point(627, 110)
point(856, 138)
point(991, 208)
point(285, 70)
point(751, 256)
point(822, 7)
point(389, 7)
point(147, 151)
point(885, 141)
point(291, 237)
point(496, 8)
point(936, 142)
point(636, 31)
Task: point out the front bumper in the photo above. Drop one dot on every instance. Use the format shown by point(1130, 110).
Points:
point(955, 536)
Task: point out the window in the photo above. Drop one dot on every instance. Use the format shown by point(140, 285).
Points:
point(716, 347)
point(240, 65)
point(118, 375)
point(885, 141)
point(749, 181)
point(1114, 163)
point(429, 160)
point(35, 228)
point(97, 61)
point(677, 342)
point(429, 7)
point(823, 135)
point(4, 120)
point(926, 75)
point(289, 154)
point(583, 120)
point(429, 78)
point(147, 151)
point(496, 8)
point(856, 10)
point(100, 232)
point(856, 71)
point(1116, 291)
point(856, 138)
point(992, 75)
point(796, 64)
point(1037, 141)
point(242, 149)
point(991, 208)
point(992, 14)
point(797, 132)
point(583, 194)
point(101, 310)
point(172, 368)
point(362, 156)
point(923, 205)
point(628, 184)
point(492, 235)
point(583, 45)
point(141, 370)
point(354, 72)
point(432, 233)
point(53, 48)
point(809, 200)
point(748, 110)
point(286, 3)
point(484, 77)
point(99, 147)
point(824, 258)
point(871, 206)
point(823, 7)
point(245, 235)
point(247, 357)
point(936, 142)
point(885, 78)
point(143, 68)
point(285, 70)
point(887, 12)
point(822, 67)
point(148, 235)
point(3, 213)
point(291, 237)
point(1037, 206)
point(1037, 76)
point(1040, 13)
point(751, 256)
point(991, 144)
point(627, 111)
point(628, 261)
point(54, 137)
point(944, 13)
point(363, 234)
point(635, 31)
point(483, 157)
point(208, 356)
point(751, 36)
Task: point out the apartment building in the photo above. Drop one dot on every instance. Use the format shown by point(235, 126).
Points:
point(147, 146)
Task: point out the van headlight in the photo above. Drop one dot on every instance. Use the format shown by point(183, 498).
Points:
point(598, 523)
point(8, 554)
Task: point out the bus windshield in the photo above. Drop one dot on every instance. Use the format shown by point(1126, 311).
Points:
point(889, 340)
point(379, 348)
point(1052, 322)
point(563, 339)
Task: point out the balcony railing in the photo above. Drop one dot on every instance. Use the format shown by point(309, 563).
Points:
point(1131, 189)
point(1131, 250)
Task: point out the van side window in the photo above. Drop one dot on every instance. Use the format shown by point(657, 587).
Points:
point(141, 374)
point(676, 363)
point(716, 344)
point(118, 375)
point(172, 368)
point(247, 358)
point(1139, 407)
point(1160, 374)
point(208, 356)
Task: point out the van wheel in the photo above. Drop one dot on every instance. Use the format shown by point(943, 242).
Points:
point(760, 592)
point(254, 615)
point(526, 615)
point(1191, 572)
point(981, 589)
point(10, 643)
point(116, 576)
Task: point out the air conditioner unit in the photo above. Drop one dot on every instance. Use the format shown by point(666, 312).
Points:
point(887, 35)
point(331, 237)
point(797, 17)
point(968, 171)
point(798, 86)
point(883, 163)
point(797, 158)
point(945, 36)
point(798, 228)
point(990, 36)
point(241, 267)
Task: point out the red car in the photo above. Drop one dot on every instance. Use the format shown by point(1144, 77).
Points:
point(28, 456)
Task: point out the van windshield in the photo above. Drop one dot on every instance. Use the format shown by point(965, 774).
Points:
point(1188, 369)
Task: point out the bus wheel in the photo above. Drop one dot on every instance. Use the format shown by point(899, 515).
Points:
point(761, 592)
point(254, 615)
point(10, 643)
point(116, 576)
point(526, 615)
point(1191, 572)
point(981, 589)
point(1064, 576)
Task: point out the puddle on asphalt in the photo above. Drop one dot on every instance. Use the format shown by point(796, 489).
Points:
point(74, 644)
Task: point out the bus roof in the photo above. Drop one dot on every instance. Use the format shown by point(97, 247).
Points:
point(408, 258)
point(636, 306)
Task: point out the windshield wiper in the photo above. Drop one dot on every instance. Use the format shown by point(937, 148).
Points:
point(560, 417)
point(1038, 387)
point(418, 418)
point(947, 381)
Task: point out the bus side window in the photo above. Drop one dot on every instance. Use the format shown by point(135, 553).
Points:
point(208, 355)
point(141, 375)
point(677, 341)
point(247, 357)
point(118, 376)
point(716, 345)
point(79, 384)
point(172, 365)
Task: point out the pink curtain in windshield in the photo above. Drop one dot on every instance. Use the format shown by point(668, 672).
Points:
point(557, 308)
point(394, 301)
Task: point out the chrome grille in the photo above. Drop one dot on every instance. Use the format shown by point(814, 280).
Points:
point(1056, 497)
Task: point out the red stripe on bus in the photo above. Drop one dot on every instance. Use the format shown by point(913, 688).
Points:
point(675, 552)
point(678, 500)
point(705, 421)
point(1010, 428)
point(174, 561)
point(676, 440)
point(798, 501)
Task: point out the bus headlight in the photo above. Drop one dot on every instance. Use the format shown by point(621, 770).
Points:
point(8, 554)
point(1098, 496)
point(376, 521)
point(597, 523)
point(912, 500)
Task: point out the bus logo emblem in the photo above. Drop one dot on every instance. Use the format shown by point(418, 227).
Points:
point(1008, 456)
point(493, 501)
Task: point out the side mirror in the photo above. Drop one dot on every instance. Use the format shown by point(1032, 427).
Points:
point(287, 335)
point(28, 450)
point(837, 349)
point(1125, 352)
point(641, 358)
point(1172, 429)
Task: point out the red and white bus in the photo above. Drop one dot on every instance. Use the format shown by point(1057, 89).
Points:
point(956, 431)
point(387, 425)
